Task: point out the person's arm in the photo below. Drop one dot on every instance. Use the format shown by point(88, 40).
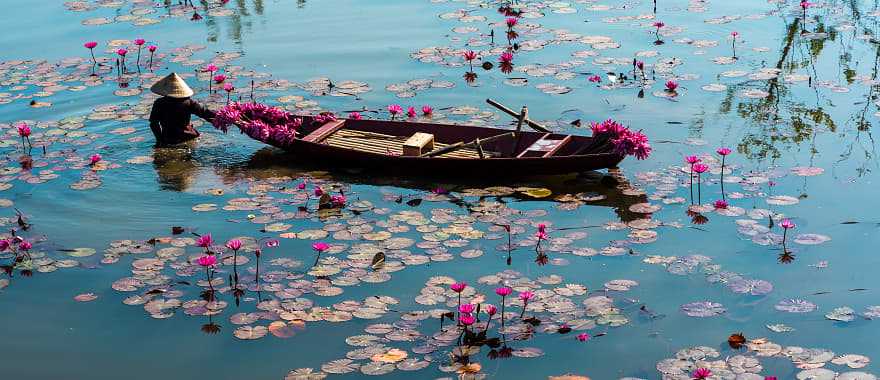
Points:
point(155, 126)
point(201, 111)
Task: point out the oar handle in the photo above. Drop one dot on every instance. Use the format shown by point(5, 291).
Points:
point(534, 125)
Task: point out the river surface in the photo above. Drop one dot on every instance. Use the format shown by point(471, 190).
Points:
point(648, 269)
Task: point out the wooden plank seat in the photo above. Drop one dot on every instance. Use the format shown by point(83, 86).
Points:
point(379, 143)
point(544, 147)
point(324, 131)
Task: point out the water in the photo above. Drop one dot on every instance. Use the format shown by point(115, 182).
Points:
point(825, 122)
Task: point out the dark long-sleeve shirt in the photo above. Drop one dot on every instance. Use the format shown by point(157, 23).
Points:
point(170, 119)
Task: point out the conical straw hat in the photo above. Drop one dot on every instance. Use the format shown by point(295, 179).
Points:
point(172, 86)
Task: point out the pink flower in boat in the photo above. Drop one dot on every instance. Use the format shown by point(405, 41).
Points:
point(723, 151)
point(467, 319)
point(427, 110)
point(319, 191)
point(395, 109)
point(701, 373)
point(692, 159)
point(467, 308)
point(583, 337)
point(152, 48)
point(205, 241)
point(4, 244)
point(94, 159)
point(228, 87)
point(90, 45)
point(320, 247)
point(511, 22)
point(219, 78)
point(491, 310)
point(25, 245)
point(469, 55)
point(458, 287)
point(207, 260)
point(140, 41)
point(355, 116)
point(506, 57)
point(701, 168)
point(671, 85)
point(24, 130)
point(234, 244)
point(721, 204)
point(594, 78)
point(526, 295)
point(122, 52)
point(210, 68)
point(503, 291)
point(787, 224)
point(411, 112)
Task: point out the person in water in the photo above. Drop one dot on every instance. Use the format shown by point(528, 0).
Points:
point(170, 117)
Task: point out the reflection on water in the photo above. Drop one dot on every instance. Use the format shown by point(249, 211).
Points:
point(175, 166)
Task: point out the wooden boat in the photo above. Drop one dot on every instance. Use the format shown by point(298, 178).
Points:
point(457, 150)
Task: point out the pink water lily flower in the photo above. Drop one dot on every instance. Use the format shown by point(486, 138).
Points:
point(658, 24)
point(583, 337)
point(506, 57)
point(692, 159)
point(122, 52)
point(427, 110)
point(594, 78)
point(140, 41)
point(806, 4)
point(228, 87)
point(490, 309)
point(469, 55)
point(701, 168)
point(24, 130)
point(210, 68)
point(511, 22)
point(90, 44)
point(411, 111)
point(152, 48)
point(721, 204)
point(338, 200)
point(319, 191)
point(526, 295)
point(467, 319)
point(787, 224)
point(234, 244)
point(355, 116)
point(723, 151)
point(205, 241)
point(320, 246)
point(701, 373)
point(458, 287)
point(503, 291)
point(219, 78)
point(671, 85)
point(207, 260)
point(4, 244)
point(467, 308)
point(25, 245)
point(734, 34)
point(94, 159)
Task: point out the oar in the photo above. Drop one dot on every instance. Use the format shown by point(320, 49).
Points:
point(532, 124)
